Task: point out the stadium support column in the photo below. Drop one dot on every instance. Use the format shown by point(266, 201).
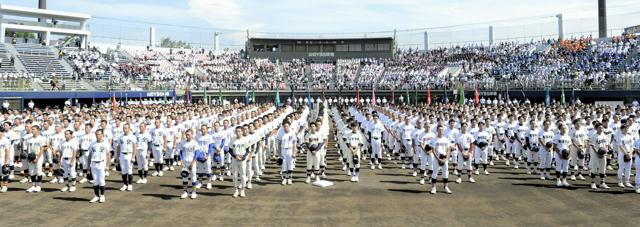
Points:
point(152, 36)
point(490, 35)
point(602, 18)
point(216, 41)
point(560, 27)
point(47, 37)
point(426, 41)
point(2, 31)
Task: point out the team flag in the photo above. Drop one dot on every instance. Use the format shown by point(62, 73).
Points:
point(428, 95)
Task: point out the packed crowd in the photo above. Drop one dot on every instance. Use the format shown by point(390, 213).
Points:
point(206, 144)
point(581, 62)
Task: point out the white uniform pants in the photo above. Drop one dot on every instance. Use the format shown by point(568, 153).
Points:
point(624, 168)
point(480, 156)
point(533, 156)
point(97, 171)
point(192, 171)
point(168, 154)
point(462, 162)
point(562, 165)
point(436, 166)
point(203, 167)
point(69, 171)
point(637, 171)
point(545, 158)
point(408, 148)
point(425, 160)
point(597, 164)
point(313, 160)
point(142, 160)
point(376, 147)
point(516, 149)
point(35, 168)
point(323, 157)
point(157, 154)
point(84, 160)
point(126, 167)
point(453, 156)
point(353, 158)
point(287, 160)
point(574, 160)
point(239, 169)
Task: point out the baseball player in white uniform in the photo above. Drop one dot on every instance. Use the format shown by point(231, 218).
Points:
point(546, 153)
point(377, 131)
point(158, 146)
point(533, 144)
point(441, 149)
point(600, 144)
point(482, 140)
point(67, 151)
point(188, 149)
point(636, 151)
point(98, 157)
point(562, 146)
point(287, 152)
point(204, 169)
point(464, 142)
point(86, 138)
point(355, 142)
point(625, 155)
point(580, 138)
point(126, 155)
point(36, 147)
point(5, 153)
point(142, 153)
point(315, 142)
point(238, 149)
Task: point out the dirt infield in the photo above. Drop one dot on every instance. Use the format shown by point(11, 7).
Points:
point(388, 197)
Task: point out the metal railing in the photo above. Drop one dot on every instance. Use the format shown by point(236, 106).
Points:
point(15, 84)
point(622, 83)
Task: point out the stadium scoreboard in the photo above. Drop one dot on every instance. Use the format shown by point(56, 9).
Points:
point(320, 49)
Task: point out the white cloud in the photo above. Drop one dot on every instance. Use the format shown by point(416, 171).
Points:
point(375, 15)
point(229, 14)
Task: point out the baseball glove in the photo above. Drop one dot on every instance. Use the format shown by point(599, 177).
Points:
point(580, 153)
point(548, 145)
point(627, 157)
point(483, 145)
point(31, 157)
point(564, 154)
point(535, 149)
point(466, 156)
point(23, 155)
point(601, 152)
point(5, 169)
point(280, 161)
point(184, 174)
point(441, 159)
point(200, 156)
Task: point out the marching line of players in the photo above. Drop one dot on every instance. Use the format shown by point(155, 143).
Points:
point(239, 141)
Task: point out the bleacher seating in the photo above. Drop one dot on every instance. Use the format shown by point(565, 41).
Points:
point(41, 60)
point(6, 66)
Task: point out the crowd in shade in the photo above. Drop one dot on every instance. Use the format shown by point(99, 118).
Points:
point(584, 63)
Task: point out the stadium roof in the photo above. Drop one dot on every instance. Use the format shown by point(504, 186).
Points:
point(26, 11)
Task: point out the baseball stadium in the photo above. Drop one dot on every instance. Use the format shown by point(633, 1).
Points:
point(319, 113)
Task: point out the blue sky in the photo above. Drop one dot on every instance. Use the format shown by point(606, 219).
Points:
point(322, 16)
